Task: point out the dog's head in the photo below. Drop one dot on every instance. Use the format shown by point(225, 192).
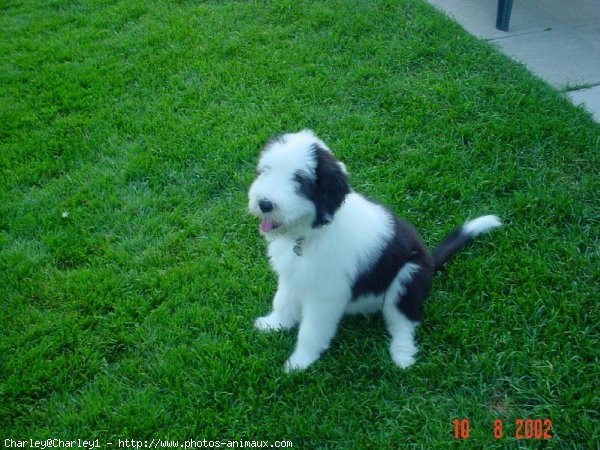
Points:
point(299, 184)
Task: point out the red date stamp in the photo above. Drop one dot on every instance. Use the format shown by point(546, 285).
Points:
point(524, 429)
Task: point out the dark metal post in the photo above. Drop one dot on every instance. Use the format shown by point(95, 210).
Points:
point(503, 15)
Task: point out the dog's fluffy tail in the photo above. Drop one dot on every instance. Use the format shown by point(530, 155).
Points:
point(461, 236)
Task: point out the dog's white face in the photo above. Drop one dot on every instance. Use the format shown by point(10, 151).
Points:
point(299, 184)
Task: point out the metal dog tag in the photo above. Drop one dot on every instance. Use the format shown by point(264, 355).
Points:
point(298, 246)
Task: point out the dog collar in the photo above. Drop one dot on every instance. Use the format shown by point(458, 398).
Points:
point(298, 246)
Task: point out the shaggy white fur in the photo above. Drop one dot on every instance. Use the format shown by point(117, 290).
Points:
point(336, 252)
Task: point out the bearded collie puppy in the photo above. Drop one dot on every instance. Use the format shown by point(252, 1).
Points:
point(336, 252)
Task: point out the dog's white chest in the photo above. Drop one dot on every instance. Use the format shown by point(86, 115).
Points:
point(310, 266)
point(286, 255)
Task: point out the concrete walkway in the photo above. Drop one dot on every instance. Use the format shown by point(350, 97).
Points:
point(558, 40)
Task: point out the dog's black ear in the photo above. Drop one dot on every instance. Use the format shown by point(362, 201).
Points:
point(331, 186)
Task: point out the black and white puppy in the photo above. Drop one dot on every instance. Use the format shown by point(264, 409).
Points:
point(336, 252)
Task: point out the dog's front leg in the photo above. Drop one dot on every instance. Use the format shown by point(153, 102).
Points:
point(320, 318)
point(286, 311)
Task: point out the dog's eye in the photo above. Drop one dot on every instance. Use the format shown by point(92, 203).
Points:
point(305, 182)
point(300, 177)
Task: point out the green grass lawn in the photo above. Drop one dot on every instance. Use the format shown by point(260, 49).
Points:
point(131, 273)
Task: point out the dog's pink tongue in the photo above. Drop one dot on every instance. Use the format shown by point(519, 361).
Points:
point(266, 226)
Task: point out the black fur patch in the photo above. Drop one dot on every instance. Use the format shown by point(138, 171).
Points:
point(331, 186)
point(404, 246)
point(306, 184)
point(452, 243)
point(416, 291)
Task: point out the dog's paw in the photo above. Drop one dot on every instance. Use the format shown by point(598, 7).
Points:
point(269, 323)
point(403, 357)
point(403, 361)
point(298, 362)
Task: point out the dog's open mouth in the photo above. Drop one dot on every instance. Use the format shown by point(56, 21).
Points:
point(267, 225)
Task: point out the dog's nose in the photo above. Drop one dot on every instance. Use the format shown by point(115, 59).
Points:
point(265, 206)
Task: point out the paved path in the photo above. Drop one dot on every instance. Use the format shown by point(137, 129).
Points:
point(558, 40)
